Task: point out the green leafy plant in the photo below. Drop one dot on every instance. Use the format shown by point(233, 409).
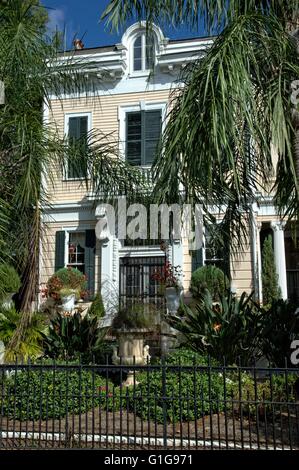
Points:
point(73, 336)
point(271, 290)
point(42, 393)
point(229, 329)
point(67, 292)
point(66, 278)
point(183, 389)
point(280, 328)
point(31, 342)
point(135, 314)
point(211, 278)
point(270, 394)
point(9, 279)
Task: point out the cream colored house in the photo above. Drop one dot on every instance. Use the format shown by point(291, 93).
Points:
point(130, 103)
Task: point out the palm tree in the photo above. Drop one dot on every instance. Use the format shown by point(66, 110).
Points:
point(31, 69)
point(234, 107)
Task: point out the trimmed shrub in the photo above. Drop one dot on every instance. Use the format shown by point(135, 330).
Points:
point(209, 278)
point(97, 307)
point(271, 290)
point(47, 393)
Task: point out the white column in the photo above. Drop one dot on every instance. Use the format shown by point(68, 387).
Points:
point(280, 259)
point(109, 264)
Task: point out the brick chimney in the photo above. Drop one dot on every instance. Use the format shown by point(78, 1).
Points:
point(78, 44)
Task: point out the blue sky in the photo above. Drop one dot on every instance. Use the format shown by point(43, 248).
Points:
point(81, 18)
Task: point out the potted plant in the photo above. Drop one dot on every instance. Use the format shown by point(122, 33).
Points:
point(67, 285)
point(130, 325)
point(9, 284)
point(169, 279)
point(68, 298)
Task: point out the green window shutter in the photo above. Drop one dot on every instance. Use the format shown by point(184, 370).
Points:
point(59, 250)
point(78, 128)
point(143, 134)
point(133, 138)
point(90, 248)
point(151, 135)
point(197, 259)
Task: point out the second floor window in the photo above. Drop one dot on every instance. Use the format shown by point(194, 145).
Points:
point(77, 137)
point(143, 52)
point(143, 133)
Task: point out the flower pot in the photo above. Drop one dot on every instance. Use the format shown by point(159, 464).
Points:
point(172, 295)
point(68, 302)
point(131, 351)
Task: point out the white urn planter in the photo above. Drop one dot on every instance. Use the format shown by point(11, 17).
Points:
point(131, 351)
point(68, 302)
point(172, 296)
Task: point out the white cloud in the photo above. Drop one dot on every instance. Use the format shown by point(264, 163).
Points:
point(56, 20)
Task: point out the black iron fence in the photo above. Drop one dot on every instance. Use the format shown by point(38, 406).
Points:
point(167, 406)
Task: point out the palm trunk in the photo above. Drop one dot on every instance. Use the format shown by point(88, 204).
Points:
point(295, 115)
point(29, 289)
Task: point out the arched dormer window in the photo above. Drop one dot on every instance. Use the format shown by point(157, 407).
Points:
point(143, 52)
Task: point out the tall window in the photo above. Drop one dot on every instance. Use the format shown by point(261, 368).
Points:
point(77, 137)
point(76, 254)
point(142, 136)
point(143, 52)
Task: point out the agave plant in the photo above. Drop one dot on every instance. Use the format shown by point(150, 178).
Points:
point(227, 329)
point(73, 336)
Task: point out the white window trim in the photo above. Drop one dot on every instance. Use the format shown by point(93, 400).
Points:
point(67, 231)
point(141, 106)
point(67, 117)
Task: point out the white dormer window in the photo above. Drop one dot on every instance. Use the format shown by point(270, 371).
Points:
point(143, 52)
point(143, 48)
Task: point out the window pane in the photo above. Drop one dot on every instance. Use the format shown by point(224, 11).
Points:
point(137, 64)
point(138, 54)
point(77, 251)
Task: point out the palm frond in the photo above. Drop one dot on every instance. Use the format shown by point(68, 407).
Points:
point(234, 105)
point(217, 14)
